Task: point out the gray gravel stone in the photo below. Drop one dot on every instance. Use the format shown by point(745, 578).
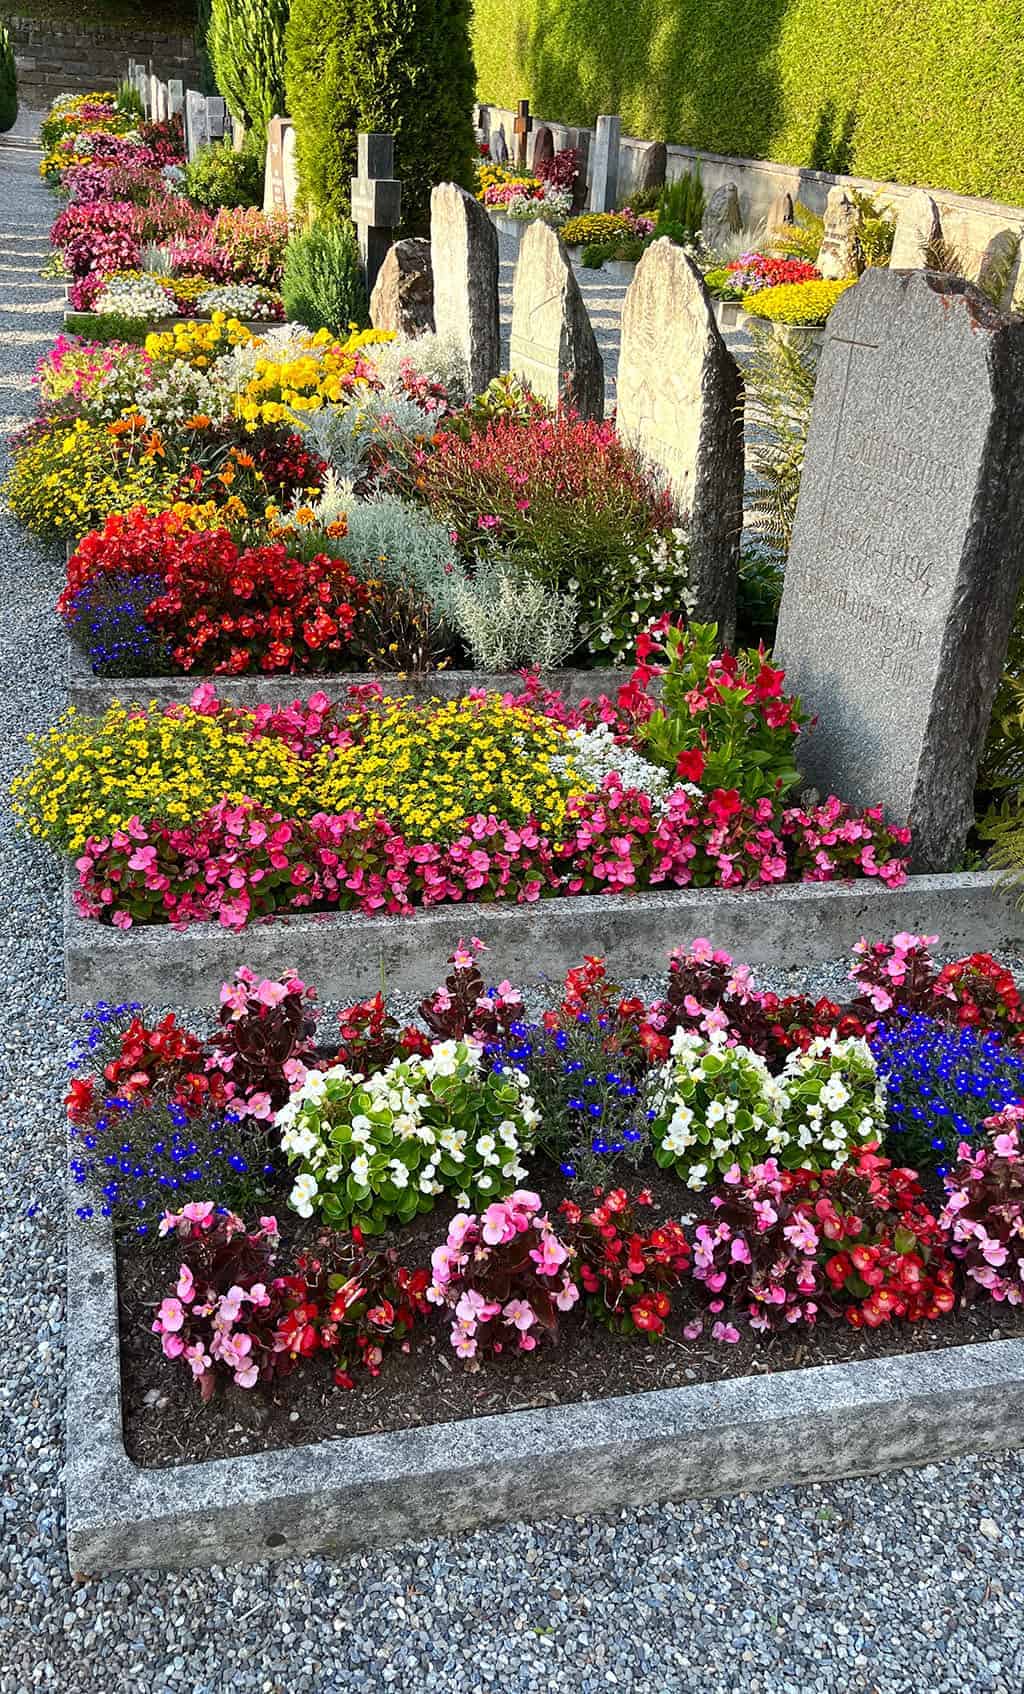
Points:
point(881, 1586)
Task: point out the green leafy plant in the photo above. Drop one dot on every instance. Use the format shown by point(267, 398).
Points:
point(8, 82)
point(218, 176)
point(106, 326)
point(245, 41)
point(129, 101)
point(404, 67)
point(323, 283)
point(876, 231)
point(721, 721)
point(802, 238)
point(508, 619)
point(681, 208)
point(779, 379)
point(803, 304)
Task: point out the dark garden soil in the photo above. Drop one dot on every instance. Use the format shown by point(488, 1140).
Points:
point(165, 1422)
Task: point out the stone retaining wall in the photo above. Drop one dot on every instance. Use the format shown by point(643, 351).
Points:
point(60, 57)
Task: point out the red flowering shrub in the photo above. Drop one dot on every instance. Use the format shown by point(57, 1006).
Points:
point(370, 1037)
point(350, 1305)
point(984, 1210)
point(266, 1029)
point(97, 237)
point(138, 1063)
point(858, 1242)
point(981, 992)
point(628, 1273)
point(560, 171)
point(753, 271)
point(165, 137)
point(223, 608)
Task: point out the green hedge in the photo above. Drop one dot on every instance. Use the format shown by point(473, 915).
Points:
point(931, 93)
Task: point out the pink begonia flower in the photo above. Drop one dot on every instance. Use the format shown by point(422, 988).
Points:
point(199, 1211)
point(692, 1331)
point(527, 1342)
point(733, 1175)
point(171, 1314)
point(465, 1345)
point(520, 1313)
point(701, 950)
point(258, 1106)
point(497, 1226)
point(739, 1252)
point(186, 1283)
point(458, 1229)
point(725, 1332)
point(230, 1304)
point(271, 993)
point(198, 1359)
point(268, 1224)
point(567, 1296)
point(173, 1346)
point(549, 1255)
point(121, 920)
point(802, 1234)
point(247, 1378)
point(1006, 1144)
point(257, 1295)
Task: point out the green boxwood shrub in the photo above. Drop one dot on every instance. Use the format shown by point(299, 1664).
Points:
point(323, 284)
point(8, 82)
point(218, 176)
point(930, 94)
point(404, 67)
point(796, 302)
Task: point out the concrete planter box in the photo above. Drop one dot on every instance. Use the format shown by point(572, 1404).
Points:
point(349, 954)
point(91, 693)
point(804, 337)
point(729, 314)
point(373, 1490)
point(514, 227)
point(619, 270)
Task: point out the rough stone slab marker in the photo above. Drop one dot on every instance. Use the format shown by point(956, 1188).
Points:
point(680, 397)
point(464, 256)
point(376, 201)
point(552, 345)
point(280, 180)
point(197, 122)
point(403, 294)
point(604, 164)
point(908, 549)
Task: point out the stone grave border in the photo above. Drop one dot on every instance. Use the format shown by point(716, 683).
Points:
point(371, 1491)
point(159, 326)
point(91, 693)
point(349, 954)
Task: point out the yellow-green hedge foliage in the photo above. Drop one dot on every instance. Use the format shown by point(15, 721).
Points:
point(796, 302)
point(929, 93)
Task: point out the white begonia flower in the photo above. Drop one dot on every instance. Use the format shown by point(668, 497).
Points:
point(484, 1182)
point(715, 1112)
point(462, 1201)
point(300, 1141)
point(399, 1173)
point(287, 1115)
point(302, 1195)
point(360, 1122)
point(362, 1134)
point(697, 1177)
point(835, 1094)
point(361, 1169)
point(485, 1144)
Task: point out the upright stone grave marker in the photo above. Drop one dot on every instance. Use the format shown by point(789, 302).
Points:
point(278, 181)
point(918, 226)
point(197, 128)
point(838, 255)
point(552, 345)
point(499, 146)
point(217, 116)
point(376, 202)
point(680, 397)
point(543, 147)
point(522, 126)
point(908, 549)
point(175, 97)
point(604, 165)
point(579, 141)
point(464, 255)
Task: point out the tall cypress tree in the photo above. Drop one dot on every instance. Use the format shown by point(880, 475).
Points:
point(402, 66)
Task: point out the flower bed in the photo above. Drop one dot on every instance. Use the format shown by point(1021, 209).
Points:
point(488, 1200)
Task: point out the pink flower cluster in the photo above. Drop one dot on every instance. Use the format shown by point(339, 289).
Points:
point(903, 963)
point(984, 1210)
point(832, 840)
point(504, 1275)
point(209, 1329)
point(242, 861)
point(775, 1293)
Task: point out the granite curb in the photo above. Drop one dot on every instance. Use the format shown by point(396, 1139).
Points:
point(352, 954)
point(369, 1491)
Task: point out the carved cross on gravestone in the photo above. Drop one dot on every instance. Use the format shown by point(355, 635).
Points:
point(376, 202)
point(522, 127)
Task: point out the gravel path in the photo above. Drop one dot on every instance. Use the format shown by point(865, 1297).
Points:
point(910, 1584)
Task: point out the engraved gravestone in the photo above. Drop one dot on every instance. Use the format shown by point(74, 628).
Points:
point(604, 164)
point(918, 227)
point(680, 400)
point(376, 201)
point(279, 186)
point(908, 549)
point(552, 345)
point(197, 126)
point(175, 97)
point(464, 256)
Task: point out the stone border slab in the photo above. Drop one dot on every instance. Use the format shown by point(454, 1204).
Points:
point(370, 1491)
point(91, 693)
point(349, 954)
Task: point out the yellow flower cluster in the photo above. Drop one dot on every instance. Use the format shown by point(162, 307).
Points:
point(426, 767)
point(199, 343)
point(90, 776)
point(68, 478)
point(318, 374)
point(489, 175)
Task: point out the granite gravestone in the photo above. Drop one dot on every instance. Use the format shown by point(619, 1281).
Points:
point(521, 129)
point(552, 345)
point(403, 294)
point(918, 227)
point(197, 124)
point(376, 201)
point(651, 168)
point(499, 146)
point(543, 147)
point(175, 97)
point(722, 216)
point(839, 254)
point(680, 400)
point(604, 164)
point(907, 549)
point(464, 256)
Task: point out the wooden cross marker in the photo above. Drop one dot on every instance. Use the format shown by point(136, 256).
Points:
point(376, 202)
point(522, 127)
